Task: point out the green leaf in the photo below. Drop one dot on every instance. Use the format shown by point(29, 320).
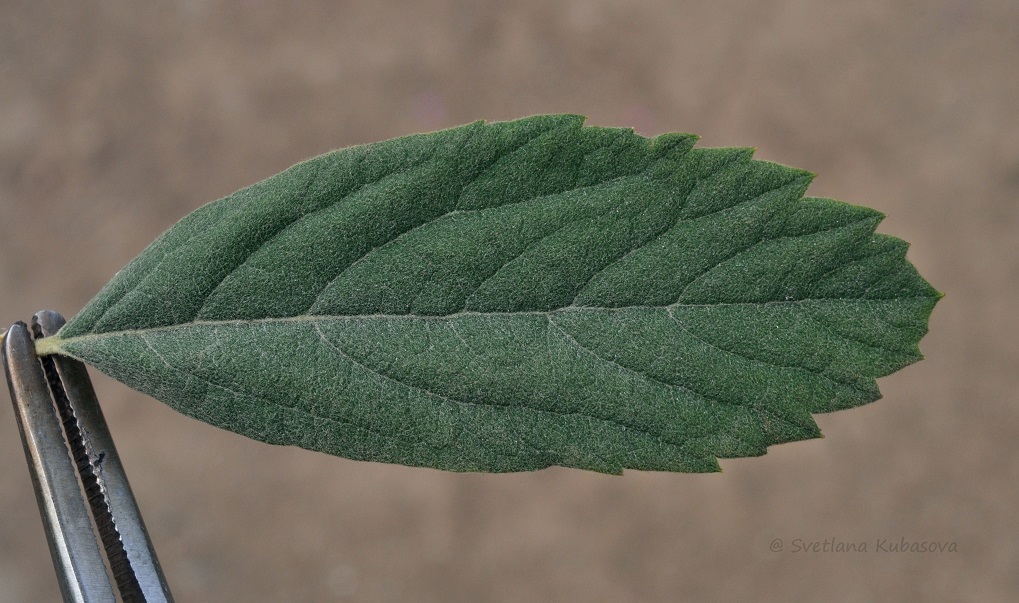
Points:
point(510, 296)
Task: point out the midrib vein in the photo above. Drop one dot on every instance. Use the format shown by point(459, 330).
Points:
point(56, 344)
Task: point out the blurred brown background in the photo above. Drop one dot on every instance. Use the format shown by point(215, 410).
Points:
point(117, 119)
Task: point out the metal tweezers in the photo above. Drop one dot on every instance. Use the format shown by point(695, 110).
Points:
point(79, 481)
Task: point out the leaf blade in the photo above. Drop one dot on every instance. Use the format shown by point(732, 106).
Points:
point(510, 296)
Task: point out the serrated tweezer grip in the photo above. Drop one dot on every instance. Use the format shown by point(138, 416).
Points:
point(78, 476)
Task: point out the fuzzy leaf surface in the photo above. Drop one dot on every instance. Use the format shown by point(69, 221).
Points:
point(515, 295)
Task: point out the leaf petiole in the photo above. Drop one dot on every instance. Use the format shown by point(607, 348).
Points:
point(47, 345)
